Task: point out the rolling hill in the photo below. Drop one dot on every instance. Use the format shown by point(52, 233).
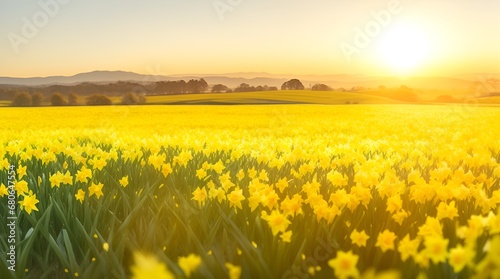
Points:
point(271, 97)
point(462, 82)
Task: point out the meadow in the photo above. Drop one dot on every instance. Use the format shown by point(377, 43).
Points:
point(274, 191)
point(272, 97)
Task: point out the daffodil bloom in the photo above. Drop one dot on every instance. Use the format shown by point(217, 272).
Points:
point(263, 176)
point(96, 189)
point(148, 267)
point(29, 203)
point(344, 265)
point(83, 174)
point(217, 193)
point(3, 190)
point(385, 240)
point(277, 221)
point(493, 221)
point(234, 271)
point(56, 179)
point(282, 184)
point(235, 198)
point(359, 238)
point(156, 160)
point(270, 198)
point(447, 211)
point(292, 206)
point(408, 247)
point(339, 197)
point(226, 182)
point(240, 175)
point(80, 195)
point(124, 181)
point(67, 178)
point(252, 173)
point(189, 264)
point(183, 158)
point(394, 203)
point(337, 179)
point(400, 216)
point(200, 195)
point(201, 173)
point(218, 167)
point(4, 164)
point(21, 171)
point(488, 266)
point(286, 236)
point(432, 227)
point(436, 248)
point(166, 169)
point(99, 163)
point(460, 257)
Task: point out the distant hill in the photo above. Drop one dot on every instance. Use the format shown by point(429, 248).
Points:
point(114, 76)
point(461, 82)
point(96, 76)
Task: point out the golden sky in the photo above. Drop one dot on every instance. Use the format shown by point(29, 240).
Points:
point(395, 37)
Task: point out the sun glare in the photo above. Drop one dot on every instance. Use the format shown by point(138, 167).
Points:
point(403, 49)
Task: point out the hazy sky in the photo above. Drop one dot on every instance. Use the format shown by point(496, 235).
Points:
point(410, 37)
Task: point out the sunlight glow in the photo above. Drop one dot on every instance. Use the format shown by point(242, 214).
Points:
point(404, 48)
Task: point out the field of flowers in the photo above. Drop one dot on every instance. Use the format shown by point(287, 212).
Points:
point(372, 191)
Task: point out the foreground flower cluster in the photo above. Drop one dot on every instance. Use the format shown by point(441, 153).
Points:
point(275, 191)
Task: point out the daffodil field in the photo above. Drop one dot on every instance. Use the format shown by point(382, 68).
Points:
point(290, 191)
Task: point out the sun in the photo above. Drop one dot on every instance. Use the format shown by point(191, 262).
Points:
point(404, 48)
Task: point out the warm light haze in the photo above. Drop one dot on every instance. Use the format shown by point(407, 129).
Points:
point(389, 37)
point(249, 139)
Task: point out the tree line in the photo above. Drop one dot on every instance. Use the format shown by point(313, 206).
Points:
point(25, 99)
point(7, 92)
point(85, 93)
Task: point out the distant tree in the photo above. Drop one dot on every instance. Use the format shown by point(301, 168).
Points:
point(57, 99)
point(98, 100)
point(293, 84)
point(36, 99)
point(172, 87)
point(133, 99)
point(244, 87)
point(405, 93)
point(141, 98)
point(229, 90)
point(272, 88)
point(202, 85)
point(180, 86)
point(219, 88)
point(357, 89)
point(445, 99)
point(382, 87)
point(129, 99)
point(22, 99)
point(321, 87)
point(73, 99)
point(196, 86)
point(192, 86)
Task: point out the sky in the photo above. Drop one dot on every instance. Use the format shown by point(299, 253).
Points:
point(322, 37)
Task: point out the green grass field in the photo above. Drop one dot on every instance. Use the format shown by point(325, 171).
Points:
point(279, 97)
point(272, 97)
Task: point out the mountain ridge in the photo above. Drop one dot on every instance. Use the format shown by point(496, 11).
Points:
point(462, 82)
